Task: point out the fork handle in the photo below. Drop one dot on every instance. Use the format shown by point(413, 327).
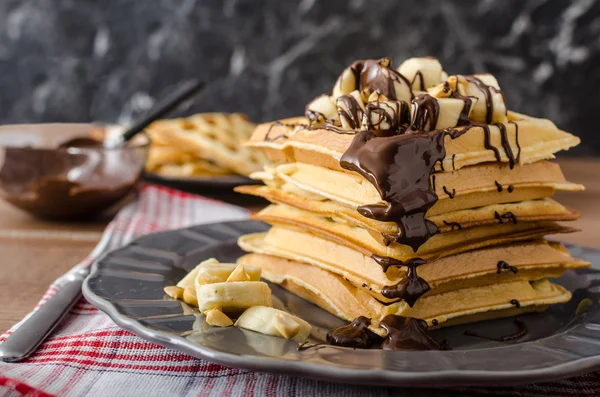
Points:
point(39, 325)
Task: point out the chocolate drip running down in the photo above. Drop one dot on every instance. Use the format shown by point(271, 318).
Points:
point(426, 111)
point(410, 288)
point(498, 186)
point(399, 167)
point(405, 333)
point(502, 265)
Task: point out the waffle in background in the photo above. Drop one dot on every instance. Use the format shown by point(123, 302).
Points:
point(203, 145)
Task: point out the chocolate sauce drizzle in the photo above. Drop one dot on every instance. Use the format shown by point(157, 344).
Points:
point(373, 76)
point(394, 115)
point(450, 194)
point(498, 186)
point(507, 216)
point(268, 137)
point(306, 345)
point(453, 225)
point(350, 111)
point(400, 163)
point(406, 333)
point(502, 265)
point(355, 334)
point(410, 288)
point(516, 303)
point(521, 331)
point(510, 188)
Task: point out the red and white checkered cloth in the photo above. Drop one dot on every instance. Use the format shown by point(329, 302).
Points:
point(89, 355)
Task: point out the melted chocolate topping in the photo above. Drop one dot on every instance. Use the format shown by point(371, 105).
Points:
point(510, 188)
point(516, 303)
point(410, 288)
point(372, 76)
point(426, 111)
point(521, 331)
point(502, 265)
point(355, 334)
point(405, 333)
point(399, 167)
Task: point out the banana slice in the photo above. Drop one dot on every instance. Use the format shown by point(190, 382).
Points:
point(385, 115)
point(233, 297)
point(345, 84)
point(216, 272)
point(423, 72)
point(321, 109)
point(189, 279)
point(271, 321)
point(350, 109)
point(449, 112)
point(485, 87)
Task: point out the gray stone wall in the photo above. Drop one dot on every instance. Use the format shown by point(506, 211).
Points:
point(109, 60)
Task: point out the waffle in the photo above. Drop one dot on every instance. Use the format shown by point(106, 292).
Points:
point(412, 193)
point(344, 300)
point(203, 144)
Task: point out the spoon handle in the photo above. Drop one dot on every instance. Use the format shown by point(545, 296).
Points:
point(184, 92)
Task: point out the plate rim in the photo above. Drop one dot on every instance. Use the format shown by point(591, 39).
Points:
point(331, 373)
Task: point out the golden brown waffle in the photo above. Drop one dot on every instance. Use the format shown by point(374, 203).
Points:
point(212, 140)
point(530, 260)
point(341, 298)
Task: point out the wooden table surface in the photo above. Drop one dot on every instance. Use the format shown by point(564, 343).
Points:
point(34, 253)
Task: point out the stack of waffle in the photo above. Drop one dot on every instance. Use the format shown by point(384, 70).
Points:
point(413, 193)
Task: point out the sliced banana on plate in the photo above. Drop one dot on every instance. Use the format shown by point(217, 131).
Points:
point(221, 290)
point(271, 321)
point(233, 297)
point(221, 272)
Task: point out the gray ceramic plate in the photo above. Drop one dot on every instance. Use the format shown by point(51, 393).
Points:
point(128, 285)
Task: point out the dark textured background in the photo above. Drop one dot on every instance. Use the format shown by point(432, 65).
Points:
point(82, 60)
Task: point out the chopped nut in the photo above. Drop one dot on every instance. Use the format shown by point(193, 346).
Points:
point(376, 97)
point(189, 297)
point(174, 291)
point(238, 274)
point(217, 318)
